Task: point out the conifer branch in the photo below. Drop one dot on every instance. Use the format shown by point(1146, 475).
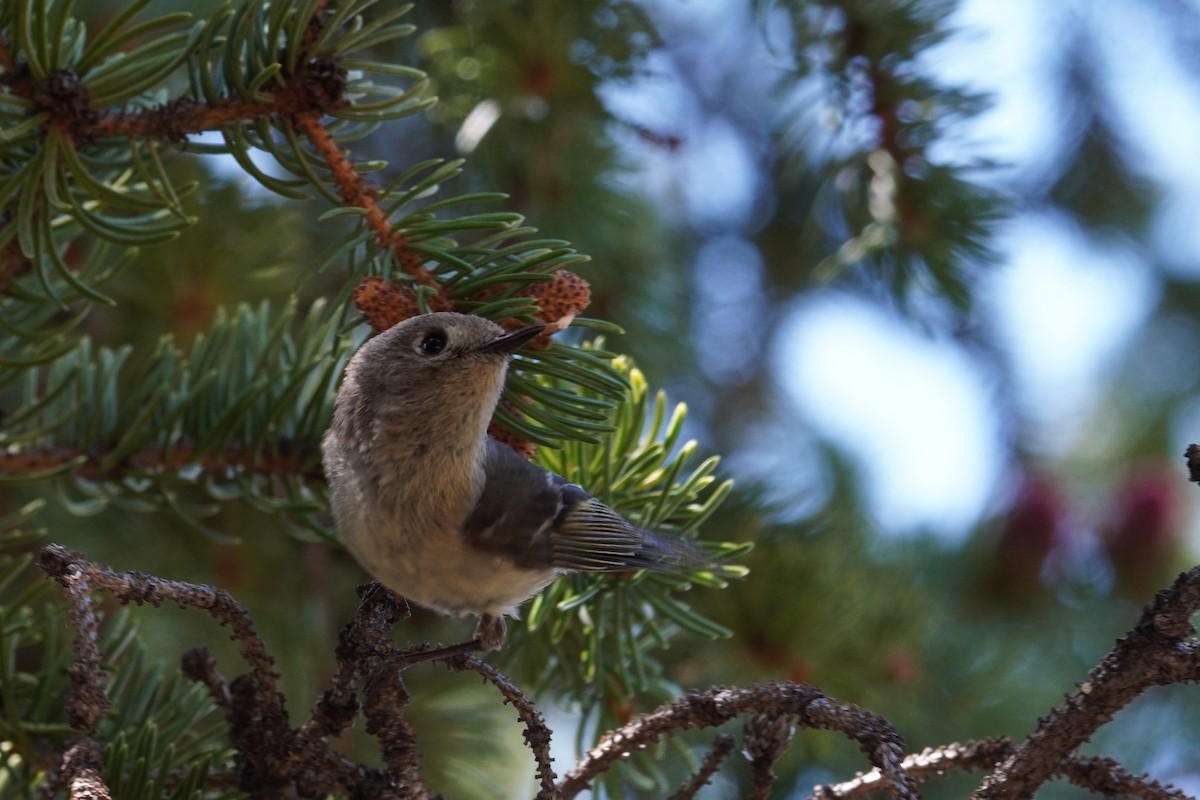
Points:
point(1097, 774)
point(357, 192)
point(765, 737)
point(92, 463)
point(716, 756)
point(1158, 651)
point(83, 770)
point(68, 108)
point(906, 211)
point(536, 733)
point(81, 577)
point(809, 707)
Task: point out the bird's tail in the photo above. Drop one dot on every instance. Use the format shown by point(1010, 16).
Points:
point(666, 553)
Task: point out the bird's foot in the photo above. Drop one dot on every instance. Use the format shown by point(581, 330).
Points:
point(489, 633)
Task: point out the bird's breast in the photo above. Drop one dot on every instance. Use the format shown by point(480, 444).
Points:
point(435, 568)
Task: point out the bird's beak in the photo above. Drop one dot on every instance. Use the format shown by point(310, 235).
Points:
point(509, 342)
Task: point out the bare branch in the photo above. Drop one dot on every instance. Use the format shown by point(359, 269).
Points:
point(88, 700)
point(810, 708)
point(83, 770)
point(765, 738)
point(365, 651)
point(199, 665)
point(1096, 774)
point(82, 765)
point(1154, 653)
point(928, 763)
point(138, 587)
point(274, 759)
point(537, 735)
point(1107, 777)
point(1192, 454)
point(722, 747)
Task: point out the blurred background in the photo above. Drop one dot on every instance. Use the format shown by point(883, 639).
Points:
point(925, 274)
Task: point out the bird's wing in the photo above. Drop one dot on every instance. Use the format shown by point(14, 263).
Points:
point(589, 535)
point(541, 520)
point(515, 510)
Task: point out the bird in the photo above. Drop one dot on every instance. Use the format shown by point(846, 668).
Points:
point(442, 513)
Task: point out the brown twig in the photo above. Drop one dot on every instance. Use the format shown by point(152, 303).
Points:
point(765, 738)
point(929, 762)
point(366, 652)
point(337, 707)
point(537, 735)
point(314, 87)
point(1096, 774)
point(88, 700)
point(1192, 454)
point(83, 770)
point(722, 747)
point(82, 765)
point(359, 192)
point(273, 759)
point(199, 665)
point(137, 587)
point(1107, 777)
point(1158, 651)
point(384, 699)
point(716, 706)
point(254, 706)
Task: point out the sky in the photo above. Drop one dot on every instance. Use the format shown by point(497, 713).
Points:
point(1063, 305)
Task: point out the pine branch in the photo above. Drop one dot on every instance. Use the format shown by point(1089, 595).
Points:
point(272, 755)
point(536, 734)
point(722, 747)
point(274, 93)
point(883, 199)
point(807, 705)
point(239, 415)
point(1158, 651)
point(1096, 774)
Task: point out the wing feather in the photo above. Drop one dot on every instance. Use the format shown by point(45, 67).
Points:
point(541, 521)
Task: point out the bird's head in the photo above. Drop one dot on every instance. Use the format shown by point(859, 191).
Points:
point(439, 358)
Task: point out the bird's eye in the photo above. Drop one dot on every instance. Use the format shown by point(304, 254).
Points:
point(433, 343)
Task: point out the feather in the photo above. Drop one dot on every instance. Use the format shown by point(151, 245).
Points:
point(541, 520)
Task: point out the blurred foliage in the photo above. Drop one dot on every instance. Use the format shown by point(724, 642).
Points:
point(162, 736)
point(841, 122)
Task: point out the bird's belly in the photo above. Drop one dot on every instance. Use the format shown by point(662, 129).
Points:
point(446, 574)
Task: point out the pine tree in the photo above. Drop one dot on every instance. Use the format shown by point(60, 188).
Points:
point(207, 210)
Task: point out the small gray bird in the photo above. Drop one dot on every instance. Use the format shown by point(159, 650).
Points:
point(440, 512)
